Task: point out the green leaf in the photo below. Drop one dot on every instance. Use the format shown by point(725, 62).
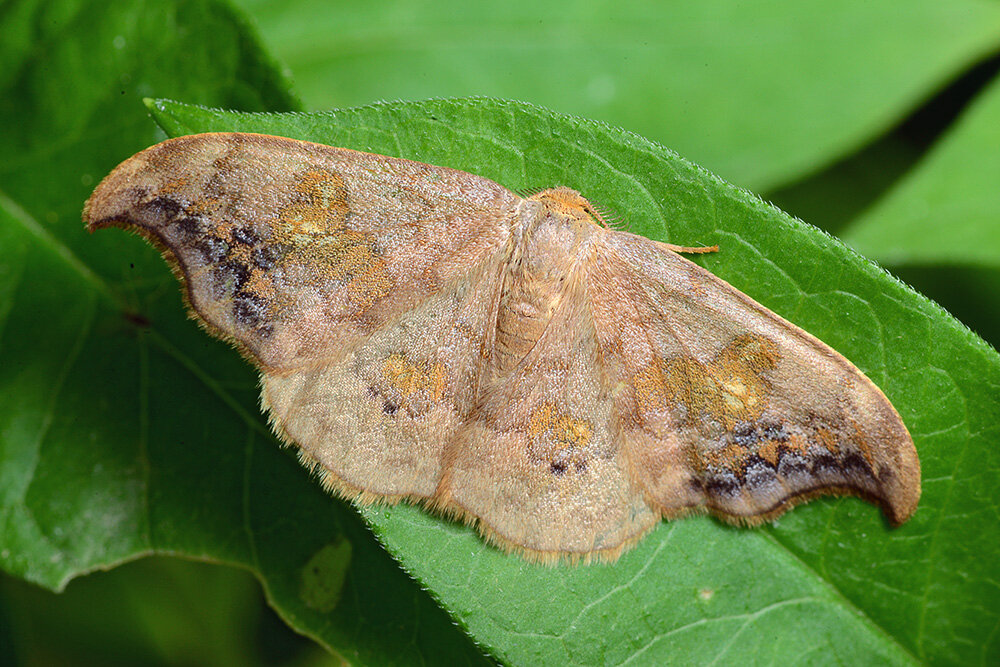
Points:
point(154, 611)
point(947, 210)
point(829, 582)
point(113, 406)
point(760, 92)
point(72, 76)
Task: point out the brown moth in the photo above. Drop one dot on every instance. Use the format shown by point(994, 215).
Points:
point(424, 333)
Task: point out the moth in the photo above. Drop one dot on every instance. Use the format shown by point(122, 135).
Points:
point(423, 333)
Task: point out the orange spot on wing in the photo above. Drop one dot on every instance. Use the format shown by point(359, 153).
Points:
point(174, 185)
point(729, 389)
point(826, 439)
point(797, 444)
point(259, 284)
point(205, 207)
point(768, 450)
point(558, 438)
point(860, 440)
point(409, 378)
point(314, 225)
point(730, 457)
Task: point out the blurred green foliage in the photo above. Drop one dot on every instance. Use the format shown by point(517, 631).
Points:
point(154, 611)
point(874, 120)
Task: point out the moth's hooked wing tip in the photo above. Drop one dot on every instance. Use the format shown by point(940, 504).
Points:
point(901, 482)
point(895, 472)
point(147, 195)
point(140, 209)
point(124, 199)
point(154, 186)
point(891, 457)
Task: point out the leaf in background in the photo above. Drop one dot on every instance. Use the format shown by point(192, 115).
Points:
point(70, 109)
point(759, 92)
point(947, 210)
point(71, 97)
point(830, 582)
point(153, 611)
point(124, 430)
point(939, 226)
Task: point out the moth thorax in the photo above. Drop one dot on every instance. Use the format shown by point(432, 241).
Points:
point(536, 284)
point(569, 205)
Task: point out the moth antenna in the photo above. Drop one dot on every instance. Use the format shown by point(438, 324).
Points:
point(612, 220)
point(608, 217)
point(688, 250)
point(601, 213)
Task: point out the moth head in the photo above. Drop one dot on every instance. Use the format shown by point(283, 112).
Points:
point(567, 202)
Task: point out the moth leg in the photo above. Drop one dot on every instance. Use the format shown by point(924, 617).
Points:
point(687, 249)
